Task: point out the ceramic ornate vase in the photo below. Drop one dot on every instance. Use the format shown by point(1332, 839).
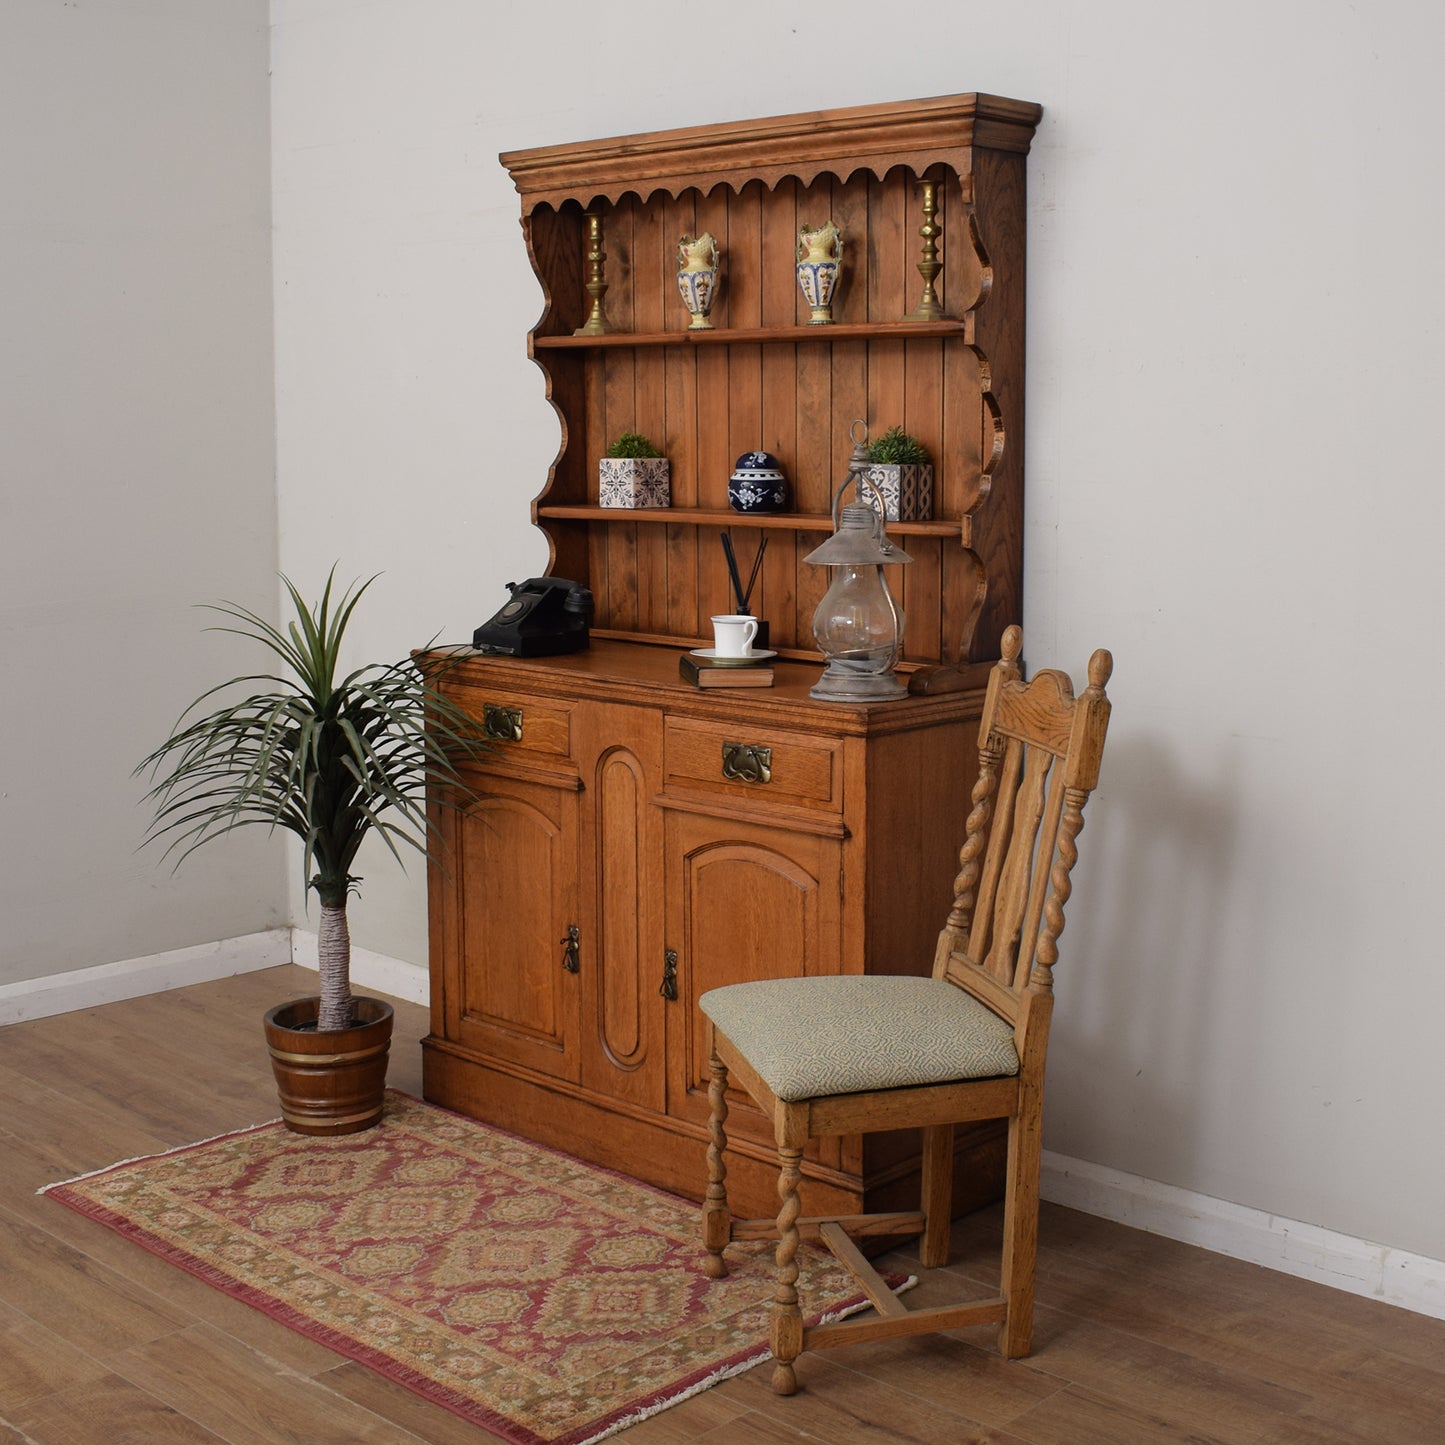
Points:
point(820, 254)
point(698, 260)
point(757, 484)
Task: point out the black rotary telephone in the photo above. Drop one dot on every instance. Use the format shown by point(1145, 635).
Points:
point(546, 616)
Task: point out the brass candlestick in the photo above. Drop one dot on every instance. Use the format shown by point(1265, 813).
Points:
point(929, 308)
point(596, 324)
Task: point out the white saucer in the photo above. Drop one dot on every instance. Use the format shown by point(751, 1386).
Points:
point(729, 659)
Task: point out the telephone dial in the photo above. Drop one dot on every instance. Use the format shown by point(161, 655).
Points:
point(545, 616)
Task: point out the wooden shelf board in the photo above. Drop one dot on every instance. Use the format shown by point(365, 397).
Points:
point(763, 335)
point(705, 517)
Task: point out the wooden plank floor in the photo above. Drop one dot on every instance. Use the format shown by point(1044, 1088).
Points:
point(1138, 1339)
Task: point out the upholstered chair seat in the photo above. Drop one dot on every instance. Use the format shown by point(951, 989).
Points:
point(811, 1037)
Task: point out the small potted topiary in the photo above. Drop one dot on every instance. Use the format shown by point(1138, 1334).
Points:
point(902, 470)
point(633, 474)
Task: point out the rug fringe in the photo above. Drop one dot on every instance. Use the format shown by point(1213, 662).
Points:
point(696, 1388)
point(726, 1372)
point(160, 1154)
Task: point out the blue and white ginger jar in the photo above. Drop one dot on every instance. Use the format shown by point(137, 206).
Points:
point(757, 484)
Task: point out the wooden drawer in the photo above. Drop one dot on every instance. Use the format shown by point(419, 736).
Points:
point(760, 763)
point(518, 724)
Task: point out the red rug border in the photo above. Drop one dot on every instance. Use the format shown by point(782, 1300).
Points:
point(495, 1424)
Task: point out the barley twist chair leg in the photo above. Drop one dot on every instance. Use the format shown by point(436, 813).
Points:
point(787, 1324)
point(716, 1219)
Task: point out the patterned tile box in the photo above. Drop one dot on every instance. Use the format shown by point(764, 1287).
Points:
point(634, 482)
point(907, 490)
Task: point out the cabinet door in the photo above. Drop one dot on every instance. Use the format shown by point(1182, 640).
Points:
point(621, 1048)
point(744, 903)
point(509, 901)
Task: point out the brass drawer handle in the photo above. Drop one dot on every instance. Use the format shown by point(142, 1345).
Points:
point(571, 948)
point(747, 763)
point(669, 976)
point(502, 723)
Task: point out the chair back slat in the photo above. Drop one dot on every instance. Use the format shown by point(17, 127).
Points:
point(1039, 752)
point(1010, 898)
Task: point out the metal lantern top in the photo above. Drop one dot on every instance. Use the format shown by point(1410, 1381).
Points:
point(860, 536)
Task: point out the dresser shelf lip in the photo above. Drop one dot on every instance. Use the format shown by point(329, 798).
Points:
point(953, 528)
point(948, 326)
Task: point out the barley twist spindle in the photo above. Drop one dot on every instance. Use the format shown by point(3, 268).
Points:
point(715, 1209)
point(787, 1322)
point(1060, 886)
point(969, 856)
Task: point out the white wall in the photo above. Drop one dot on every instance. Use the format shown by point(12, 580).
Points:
point(136, 454)
point(1234, 332)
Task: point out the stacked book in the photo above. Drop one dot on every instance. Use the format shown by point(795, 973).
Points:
point(753, 671)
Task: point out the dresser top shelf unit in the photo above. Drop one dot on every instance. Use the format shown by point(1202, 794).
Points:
point(764, 379)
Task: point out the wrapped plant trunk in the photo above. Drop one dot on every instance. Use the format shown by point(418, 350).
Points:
point(334, 966)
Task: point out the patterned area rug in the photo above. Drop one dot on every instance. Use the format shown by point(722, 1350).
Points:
point(541, 1298)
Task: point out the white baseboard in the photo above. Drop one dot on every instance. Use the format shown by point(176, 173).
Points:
point(38, 998)
point(369, 970)
point(1411, 1281)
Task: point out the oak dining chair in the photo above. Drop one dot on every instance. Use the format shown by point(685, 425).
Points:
point(861, 1052)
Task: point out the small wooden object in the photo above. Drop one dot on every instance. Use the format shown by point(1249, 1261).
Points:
point(1039, 755)
point(332, 1081)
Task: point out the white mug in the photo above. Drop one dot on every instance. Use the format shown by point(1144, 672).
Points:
point(733, 634)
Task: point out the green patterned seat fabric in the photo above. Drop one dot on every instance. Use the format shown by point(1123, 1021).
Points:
point(810, 1037)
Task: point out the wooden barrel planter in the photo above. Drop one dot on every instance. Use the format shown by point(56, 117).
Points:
point(334, 1082)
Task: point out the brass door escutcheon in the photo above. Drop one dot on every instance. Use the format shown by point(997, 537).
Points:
point(669, 975)
point(502, 723)
point(747, 763)
point(571, 948)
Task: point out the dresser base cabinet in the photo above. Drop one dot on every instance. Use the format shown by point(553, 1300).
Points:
point(618, 860)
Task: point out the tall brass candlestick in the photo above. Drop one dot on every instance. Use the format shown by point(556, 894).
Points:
point(596, 324)
point(929, 308)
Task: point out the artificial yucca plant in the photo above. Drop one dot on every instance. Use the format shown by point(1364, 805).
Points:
point(329, 759)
